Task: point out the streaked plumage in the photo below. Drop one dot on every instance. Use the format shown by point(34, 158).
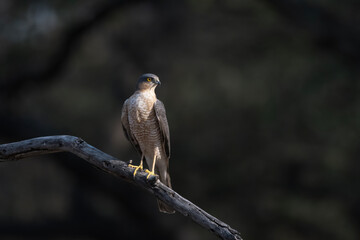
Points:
point(146, 127)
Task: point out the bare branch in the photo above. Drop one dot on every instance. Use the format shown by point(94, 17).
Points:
point(109, 164)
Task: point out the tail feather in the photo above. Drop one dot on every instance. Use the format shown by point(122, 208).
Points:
point(163, 207)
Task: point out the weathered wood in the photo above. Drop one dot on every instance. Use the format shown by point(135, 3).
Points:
point(109, 164)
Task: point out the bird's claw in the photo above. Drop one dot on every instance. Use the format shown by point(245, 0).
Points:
point(150, 173)
point(136, 168)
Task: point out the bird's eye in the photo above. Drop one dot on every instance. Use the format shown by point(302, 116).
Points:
point(148, 79)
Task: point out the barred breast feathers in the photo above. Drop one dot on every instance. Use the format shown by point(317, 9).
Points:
point(142, 118)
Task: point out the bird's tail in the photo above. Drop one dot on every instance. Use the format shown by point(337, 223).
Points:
point(163, 207)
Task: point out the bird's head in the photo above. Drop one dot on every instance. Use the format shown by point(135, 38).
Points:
point(148, 81)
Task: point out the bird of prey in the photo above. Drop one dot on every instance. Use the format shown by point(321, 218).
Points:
point(145, 125)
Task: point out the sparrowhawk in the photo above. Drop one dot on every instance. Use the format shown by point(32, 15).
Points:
point(145, 125)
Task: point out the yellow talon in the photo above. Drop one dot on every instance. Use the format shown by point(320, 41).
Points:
point(150, 173)
point(136, 167)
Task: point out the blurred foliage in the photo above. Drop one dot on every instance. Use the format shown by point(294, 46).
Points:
point(262, 100)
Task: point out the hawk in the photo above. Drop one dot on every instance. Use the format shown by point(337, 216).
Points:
point(145, 125)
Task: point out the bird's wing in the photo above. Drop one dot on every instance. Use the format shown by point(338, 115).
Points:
point(163, 124)
point(126, 127)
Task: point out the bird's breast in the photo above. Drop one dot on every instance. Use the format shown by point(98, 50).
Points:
point(142, 118)
point(142, 107)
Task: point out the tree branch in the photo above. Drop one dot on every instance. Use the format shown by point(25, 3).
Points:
point(69, 40)
point(109, 164)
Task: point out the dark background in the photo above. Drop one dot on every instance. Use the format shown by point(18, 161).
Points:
point(262, 100)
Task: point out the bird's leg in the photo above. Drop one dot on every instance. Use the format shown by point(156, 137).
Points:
point(153, 169)
point(138, 167)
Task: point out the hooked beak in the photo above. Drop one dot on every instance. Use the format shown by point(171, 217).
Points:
point(157, 82)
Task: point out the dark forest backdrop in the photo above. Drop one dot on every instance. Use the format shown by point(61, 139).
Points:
point(262, 100)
